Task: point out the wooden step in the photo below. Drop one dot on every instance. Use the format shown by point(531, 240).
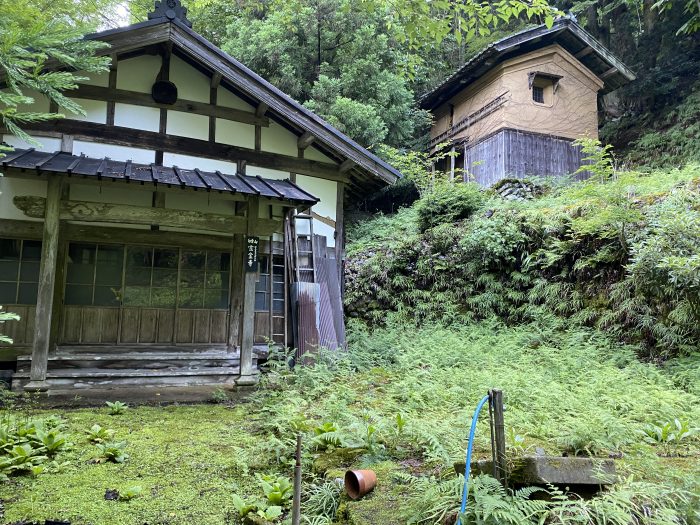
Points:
point(126, 383)
point(54, 373)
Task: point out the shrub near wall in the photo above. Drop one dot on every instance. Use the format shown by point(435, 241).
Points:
point(621, 253)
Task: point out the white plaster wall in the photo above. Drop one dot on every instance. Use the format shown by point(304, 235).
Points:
point(111, 192)
point(266, 173)
point(326, 190)
point(313, 154)
point(96, 111)
point(40, 104)
point(95, 79)
point(121, 153)
point(278, 139)
point(45, 143)
point(227, 99)
point(138, 73)
point(137, 117)
point(191, 84)
point(11, 187)
point(235, 133)
point(188, 125)
point(189, 163)
point(199, 201)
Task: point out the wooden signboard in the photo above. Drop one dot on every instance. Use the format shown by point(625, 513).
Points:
point(251, 255)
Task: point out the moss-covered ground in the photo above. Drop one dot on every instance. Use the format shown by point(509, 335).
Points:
point(400, 403)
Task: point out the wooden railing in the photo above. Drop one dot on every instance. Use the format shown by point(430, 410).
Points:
point(470, 119)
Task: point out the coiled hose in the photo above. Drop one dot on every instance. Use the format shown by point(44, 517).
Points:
point(468, 465)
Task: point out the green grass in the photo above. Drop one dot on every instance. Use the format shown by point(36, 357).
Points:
point(565, 389)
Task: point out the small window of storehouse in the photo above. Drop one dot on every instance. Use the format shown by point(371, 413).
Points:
point(19, 271)
point(543, 86)
point(538, 94)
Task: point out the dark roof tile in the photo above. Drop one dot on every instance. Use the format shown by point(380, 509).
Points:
point(45, 162)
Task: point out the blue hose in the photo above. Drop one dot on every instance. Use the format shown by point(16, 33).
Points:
point(468, 466)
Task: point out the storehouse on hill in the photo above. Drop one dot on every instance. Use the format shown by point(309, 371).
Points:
point(193, 215)
point(515, 108)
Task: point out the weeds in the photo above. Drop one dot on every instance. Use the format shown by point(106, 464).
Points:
point(116, 408)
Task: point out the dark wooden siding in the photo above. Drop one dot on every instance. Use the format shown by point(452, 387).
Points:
point(516, 154)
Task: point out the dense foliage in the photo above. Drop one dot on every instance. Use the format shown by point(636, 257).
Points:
point(30, 39)
point(620, 253)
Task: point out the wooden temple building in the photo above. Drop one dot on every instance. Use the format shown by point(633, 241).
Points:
point(193, 216)
point(516, 107)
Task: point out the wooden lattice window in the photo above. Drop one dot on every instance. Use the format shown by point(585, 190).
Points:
point(19, 271)
point(94, 274)
point(114, 275)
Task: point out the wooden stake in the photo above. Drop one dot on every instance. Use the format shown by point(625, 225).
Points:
point(296, 501)
point(499, 435)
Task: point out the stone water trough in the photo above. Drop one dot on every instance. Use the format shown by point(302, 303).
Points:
point(580, 475)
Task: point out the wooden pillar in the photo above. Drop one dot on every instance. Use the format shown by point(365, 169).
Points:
point(47, 281)
point(339, 231)
point(248, 375)
point(60, 284)
point(466, 174)
point(452, 163)
point(237, 253)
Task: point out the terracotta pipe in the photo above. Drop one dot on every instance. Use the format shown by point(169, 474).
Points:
point(359, 482)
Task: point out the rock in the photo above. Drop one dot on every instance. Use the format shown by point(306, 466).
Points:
point(555, 470)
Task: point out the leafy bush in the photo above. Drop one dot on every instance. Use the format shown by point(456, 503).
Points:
point(111, 451)
point(448, 202)
point(28, 446)
point(97, 434)
point(116, 408)
point(277, 489)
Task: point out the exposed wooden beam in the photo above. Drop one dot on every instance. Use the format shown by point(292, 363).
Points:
point(347, 165)
point(261, 109)
point(584, 52)
point(67, 143)
point(325, 220)
point(340, 232)
point(305, 140)
point(607, 73)
point(124, 96)
point(213, 58)
point(35, 207)
point(213, 98)
point(17, 229)
point(258, 138)
point(93, 132)
point(112, 84)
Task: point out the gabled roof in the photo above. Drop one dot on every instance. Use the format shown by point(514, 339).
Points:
point(564, 32)
point(107, 169)
point(368, 169)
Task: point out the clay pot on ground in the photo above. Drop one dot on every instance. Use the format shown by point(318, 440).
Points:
point(359, 482)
